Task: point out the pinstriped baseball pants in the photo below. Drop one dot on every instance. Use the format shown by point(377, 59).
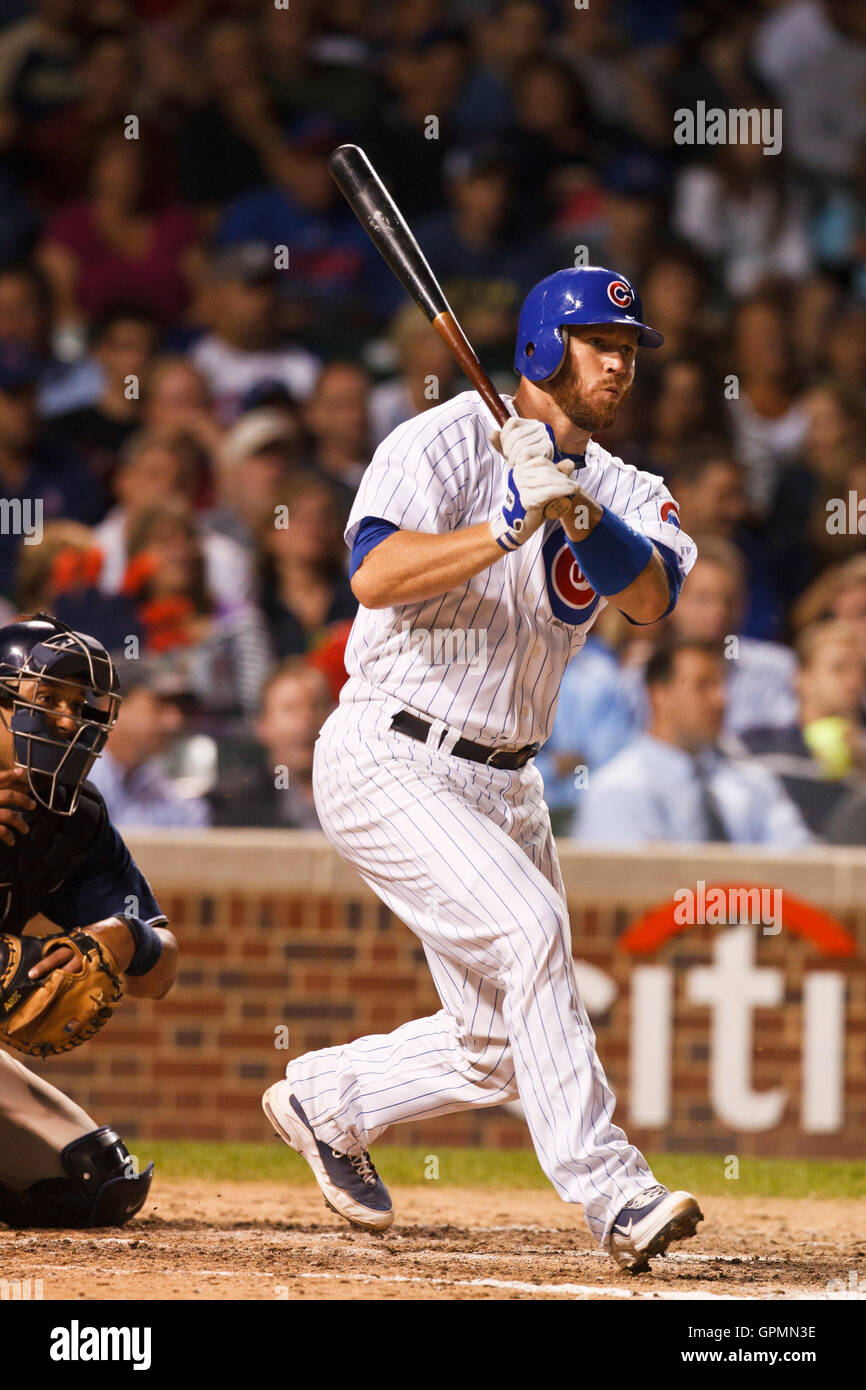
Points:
point(464, 855)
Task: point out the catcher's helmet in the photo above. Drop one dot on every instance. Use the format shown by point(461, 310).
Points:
point(583, 294)
point(39, 656)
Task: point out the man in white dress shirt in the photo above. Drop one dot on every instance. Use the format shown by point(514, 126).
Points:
point(677, 782)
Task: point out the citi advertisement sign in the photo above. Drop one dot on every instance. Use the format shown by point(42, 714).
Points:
point(731, 987)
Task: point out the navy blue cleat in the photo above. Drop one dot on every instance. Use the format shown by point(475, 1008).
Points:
point(350, 1184)
point(648, 1223)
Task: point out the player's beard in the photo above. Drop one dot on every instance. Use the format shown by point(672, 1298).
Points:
point(589, 410)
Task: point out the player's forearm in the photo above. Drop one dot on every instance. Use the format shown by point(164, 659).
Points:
point(648, 596)
point(411, 566)
point(158, 981)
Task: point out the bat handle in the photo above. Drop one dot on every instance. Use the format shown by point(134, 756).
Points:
point(450, 331)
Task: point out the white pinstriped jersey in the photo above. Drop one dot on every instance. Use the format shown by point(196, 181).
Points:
point(487, 657)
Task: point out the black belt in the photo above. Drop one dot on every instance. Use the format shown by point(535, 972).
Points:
point(510, 759)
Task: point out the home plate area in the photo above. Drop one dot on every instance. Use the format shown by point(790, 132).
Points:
point(267, 1241)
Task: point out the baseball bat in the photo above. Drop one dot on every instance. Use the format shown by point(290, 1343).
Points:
point(384, 224)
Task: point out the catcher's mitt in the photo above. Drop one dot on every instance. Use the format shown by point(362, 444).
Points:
point(66, 1007)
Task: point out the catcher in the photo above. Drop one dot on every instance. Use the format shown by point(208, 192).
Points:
point(61, 857)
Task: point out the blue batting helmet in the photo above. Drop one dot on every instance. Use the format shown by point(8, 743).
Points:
point(582, 294)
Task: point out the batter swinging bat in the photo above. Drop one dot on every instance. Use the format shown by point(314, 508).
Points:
point(383, 222)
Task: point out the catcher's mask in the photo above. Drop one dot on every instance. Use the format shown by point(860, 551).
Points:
point(41, 662)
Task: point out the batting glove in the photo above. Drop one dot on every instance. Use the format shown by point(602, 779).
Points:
point(531, 486)
point(521, 441)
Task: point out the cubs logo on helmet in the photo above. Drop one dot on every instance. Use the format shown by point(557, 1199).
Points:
point(620, 294)
point(572, 597)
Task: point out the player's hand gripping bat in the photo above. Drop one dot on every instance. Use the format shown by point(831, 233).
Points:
point(381, 219)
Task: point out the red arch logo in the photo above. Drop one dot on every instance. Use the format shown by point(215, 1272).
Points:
point(800, 918)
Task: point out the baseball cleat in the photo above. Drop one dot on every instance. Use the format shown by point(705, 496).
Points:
point(648, 1223)
point(349, 1184)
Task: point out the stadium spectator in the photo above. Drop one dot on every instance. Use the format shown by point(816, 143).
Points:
point(709, 486)
point(742, 214)
point(677, 782)
point(845, 347)
point(26, 318)
point(177, 402)
point(58, 148)
point(766, 418)
point(304, 585)
point(595, 719)
point(333, 266)
point(834, 447)
point(840, 592)
point(228, 109)
point(39, 470)
point(674, 294)
point(38, 61)
point(277, 790)
point(122, 343)
point(337, 417)
point(122, 242)
point(812, 56)
point(305, 73)
point(260, 455)
point(759, 676)
point(427, 375)
point(228, 654)
point(244, 345)
point(155, 467)
point(61, 576)
point(684, 408)
point(554, 138)
point(503, 40)
point(423, 77)
point(619, 85)
point(129, 774)
point(485, 260)
point(820, 758)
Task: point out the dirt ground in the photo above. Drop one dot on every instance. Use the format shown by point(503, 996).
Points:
point(264, 1241)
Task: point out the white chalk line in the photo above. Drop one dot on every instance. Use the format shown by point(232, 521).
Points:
point(507, 1285)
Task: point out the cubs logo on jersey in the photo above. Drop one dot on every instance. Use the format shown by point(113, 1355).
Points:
point(572, 597)
point(669, 513)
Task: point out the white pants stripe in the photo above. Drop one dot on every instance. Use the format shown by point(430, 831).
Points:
point(465, 856)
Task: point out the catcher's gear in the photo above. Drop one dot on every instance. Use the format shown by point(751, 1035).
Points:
point(63, 1009)
point(101, 1188)
point(40, 659)
point(579, 295)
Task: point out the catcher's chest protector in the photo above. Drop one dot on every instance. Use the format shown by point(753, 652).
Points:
point(37, 863)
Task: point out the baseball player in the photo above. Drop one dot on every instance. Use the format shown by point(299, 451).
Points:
point(61, 857)
point(424, 777)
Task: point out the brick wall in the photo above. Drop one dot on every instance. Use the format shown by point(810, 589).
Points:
point(276, 933)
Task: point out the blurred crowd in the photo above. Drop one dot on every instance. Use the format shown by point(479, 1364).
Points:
point(199, 351)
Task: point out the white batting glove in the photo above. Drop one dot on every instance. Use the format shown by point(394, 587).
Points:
point(522, 441)
point(531, 486)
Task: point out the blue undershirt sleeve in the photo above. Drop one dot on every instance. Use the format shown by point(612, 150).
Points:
point(370, 532)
